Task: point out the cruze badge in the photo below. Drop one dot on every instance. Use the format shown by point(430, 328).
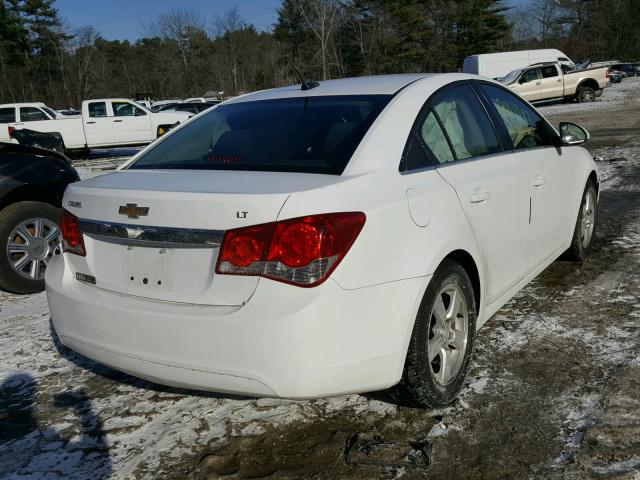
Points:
point(132, 210)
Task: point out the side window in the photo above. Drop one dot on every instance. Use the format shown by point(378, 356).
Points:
point(466, 123)
point(126, 109)
point(526, 128)
point(7, 115)
point(31, 114)
point(51, 113)
point(435, 140)
point(427, 144)
point(549, 71)
point(530, 75)
point(98, 109)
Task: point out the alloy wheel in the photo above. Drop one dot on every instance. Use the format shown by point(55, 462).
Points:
point(588, 96)
point(588, 219)
point(448, 334)
point(31, 245)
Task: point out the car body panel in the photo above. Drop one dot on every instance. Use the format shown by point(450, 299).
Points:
point(42, 174)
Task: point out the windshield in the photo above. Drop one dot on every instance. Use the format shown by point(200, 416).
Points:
point(511, 76)
point(307, 135)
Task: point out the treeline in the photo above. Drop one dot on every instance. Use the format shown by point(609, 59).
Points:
point(182, 54)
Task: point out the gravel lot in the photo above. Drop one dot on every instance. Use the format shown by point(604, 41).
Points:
point(554, 390)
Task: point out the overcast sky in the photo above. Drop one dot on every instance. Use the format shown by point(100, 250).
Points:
point(125, 19)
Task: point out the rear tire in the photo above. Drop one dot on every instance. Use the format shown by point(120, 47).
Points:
point(585, 95)
point(586, 224)
point(39, 249)
point(442, 340)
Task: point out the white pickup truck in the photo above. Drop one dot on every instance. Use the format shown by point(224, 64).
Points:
point(547, 81)
point(106, 122)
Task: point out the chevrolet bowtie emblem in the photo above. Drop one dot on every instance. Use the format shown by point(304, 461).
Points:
point(132, 210)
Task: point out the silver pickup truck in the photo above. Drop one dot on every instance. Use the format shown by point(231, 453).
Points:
point(547, 81)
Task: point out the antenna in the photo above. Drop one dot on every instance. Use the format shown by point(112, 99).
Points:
point(305, 84)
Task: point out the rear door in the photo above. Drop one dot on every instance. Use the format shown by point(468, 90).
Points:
point(492, 187)
point(98, 121)
point(550, 188)
point(131, 124)
point(552, 86)
point(7, 119)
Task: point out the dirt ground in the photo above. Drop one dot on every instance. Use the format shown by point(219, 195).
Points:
point(554, 390)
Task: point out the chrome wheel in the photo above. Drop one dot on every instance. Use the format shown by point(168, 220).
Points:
point(448, 334)
point(588, 218)
point(588, 96)
point(31, 245)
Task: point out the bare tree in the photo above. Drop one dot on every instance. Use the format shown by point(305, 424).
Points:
point(323, 18)
point(523, 27)
point(84, 50)
point(177, 25)
point(548, 14)
point(226, 28)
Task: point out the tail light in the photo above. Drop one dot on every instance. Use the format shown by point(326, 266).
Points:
point(300, 251)
point(72, 240)
point(607, 73)
point(11, 130)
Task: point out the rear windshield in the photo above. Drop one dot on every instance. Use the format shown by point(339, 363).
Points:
point(307, 135)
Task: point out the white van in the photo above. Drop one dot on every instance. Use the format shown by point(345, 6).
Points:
point(495, 65)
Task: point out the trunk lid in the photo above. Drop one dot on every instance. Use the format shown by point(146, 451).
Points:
point(170, 250)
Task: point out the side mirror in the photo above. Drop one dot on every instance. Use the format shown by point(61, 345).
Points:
point(572, 134)
point(522, 80)
point(140, 113)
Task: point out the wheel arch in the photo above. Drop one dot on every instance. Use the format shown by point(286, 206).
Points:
point(467, 262)
point(593, 176)
point(30, 193)
point(588, 82)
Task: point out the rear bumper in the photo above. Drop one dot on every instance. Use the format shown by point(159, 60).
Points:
point(286, 341)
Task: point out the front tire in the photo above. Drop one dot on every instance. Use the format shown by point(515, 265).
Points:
point(441, 342)
point(586, 224)
point(29, 237)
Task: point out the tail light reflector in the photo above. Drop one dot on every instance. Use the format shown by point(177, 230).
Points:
point(300, 251)
point(72, 240)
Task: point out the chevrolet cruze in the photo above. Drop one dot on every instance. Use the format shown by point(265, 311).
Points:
point(343, 236)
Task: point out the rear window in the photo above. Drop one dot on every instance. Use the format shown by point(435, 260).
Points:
point(7, 115)
point(306, 135)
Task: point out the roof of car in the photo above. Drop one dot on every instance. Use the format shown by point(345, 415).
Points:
point(23, 104)
point(373, 85)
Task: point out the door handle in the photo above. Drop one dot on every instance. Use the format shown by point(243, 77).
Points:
point(479, 196)
point(559, 80)
point(117, 120)
point(539, 181)
point(537, 83)
point(90, 122)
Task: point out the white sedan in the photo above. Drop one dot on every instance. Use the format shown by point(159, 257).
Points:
point(335, 237)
